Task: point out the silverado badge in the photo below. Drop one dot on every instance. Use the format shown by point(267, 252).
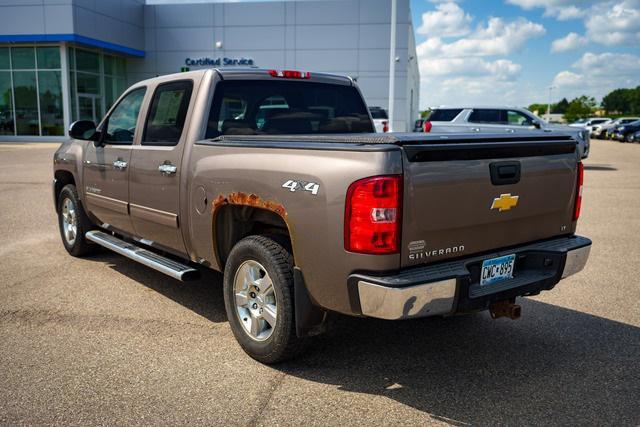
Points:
point(504, 202)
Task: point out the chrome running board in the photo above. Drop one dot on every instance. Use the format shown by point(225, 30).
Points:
point(143, 256)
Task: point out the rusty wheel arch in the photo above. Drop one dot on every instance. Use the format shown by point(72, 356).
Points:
point(249, 200)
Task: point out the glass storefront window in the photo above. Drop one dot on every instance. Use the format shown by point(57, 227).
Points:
point(88, 61)
point(26, 102)
point(72, 58)
point(88, 83)
point(72, 93)
point(23, 58)
point(51, 116)
point(31, 91)
point(6, 104)
point(5, 64)
point(113, 87)
point(48, 57)
point(31, 102)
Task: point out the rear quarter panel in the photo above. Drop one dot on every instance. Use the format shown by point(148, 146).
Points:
point(315, 222)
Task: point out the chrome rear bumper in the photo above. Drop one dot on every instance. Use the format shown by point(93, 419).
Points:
point(450, 287)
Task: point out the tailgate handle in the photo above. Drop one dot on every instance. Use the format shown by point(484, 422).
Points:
point(504, 173)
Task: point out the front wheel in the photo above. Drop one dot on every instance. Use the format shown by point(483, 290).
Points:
point(73, 222)
point(258, 297)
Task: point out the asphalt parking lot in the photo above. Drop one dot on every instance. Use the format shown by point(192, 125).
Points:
point(103, 340)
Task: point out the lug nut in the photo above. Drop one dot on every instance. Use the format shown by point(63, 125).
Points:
point(257, 289)
point(252, 295)
point(255, 305)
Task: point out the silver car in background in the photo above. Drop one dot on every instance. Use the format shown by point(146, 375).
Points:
point(590, 123)
point(496, 119)
point(380, 119)
point(600, 131)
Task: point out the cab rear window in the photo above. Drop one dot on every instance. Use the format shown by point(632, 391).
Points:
point(286, 108)
point(444, 114)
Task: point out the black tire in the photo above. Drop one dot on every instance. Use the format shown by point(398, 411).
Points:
point(79, 246)
point(282, 343)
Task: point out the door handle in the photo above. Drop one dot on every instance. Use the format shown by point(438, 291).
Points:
point(510, 130)
point(120, 164)
point(475, 129)
point(167, 168)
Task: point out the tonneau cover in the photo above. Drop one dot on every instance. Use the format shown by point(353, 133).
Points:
point(403, 138)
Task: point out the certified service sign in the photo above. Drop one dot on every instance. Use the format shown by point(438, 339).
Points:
point(217, 62)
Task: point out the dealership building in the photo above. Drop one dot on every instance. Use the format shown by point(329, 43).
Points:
point(67, 60)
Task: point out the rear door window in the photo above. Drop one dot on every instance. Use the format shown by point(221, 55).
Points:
point(489, 116)
point(444, 114)
point(263, 107)
point(168, 113)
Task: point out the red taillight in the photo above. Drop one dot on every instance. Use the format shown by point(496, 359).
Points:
point(290, 74)
point(427, 126)
point(385, 126)
point(373, 215)
point(580, 182)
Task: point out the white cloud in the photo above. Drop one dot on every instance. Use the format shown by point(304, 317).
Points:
point(448, 20)
point(501, 69)
point(571, 41)
point(598, 74)
point(608, 22)
point(472, 68)
point(617, 24)
point(498, 37)
point(562, 10)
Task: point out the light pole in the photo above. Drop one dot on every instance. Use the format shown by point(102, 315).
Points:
point(549, 103)
point(392, 64)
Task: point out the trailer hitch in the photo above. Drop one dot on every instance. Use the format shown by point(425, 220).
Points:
point(505, 308)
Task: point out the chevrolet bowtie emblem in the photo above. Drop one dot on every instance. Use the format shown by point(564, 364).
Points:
point(504, 202)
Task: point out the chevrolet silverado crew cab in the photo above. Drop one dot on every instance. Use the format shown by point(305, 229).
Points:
point(277, 179)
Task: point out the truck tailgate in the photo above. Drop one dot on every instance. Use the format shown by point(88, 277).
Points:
point(464, 197)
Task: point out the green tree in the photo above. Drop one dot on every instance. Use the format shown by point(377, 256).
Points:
point(540, 108)
point(580, 107)
point(560, 107)
point(622, 101)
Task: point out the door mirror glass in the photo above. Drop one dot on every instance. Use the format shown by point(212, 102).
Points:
point(84, 130)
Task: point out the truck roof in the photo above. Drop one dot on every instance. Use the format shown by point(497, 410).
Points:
point(252, 74)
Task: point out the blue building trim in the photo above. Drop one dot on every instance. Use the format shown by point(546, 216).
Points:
point(76, 38)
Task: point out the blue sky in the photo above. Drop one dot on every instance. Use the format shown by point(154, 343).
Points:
point(511, 51)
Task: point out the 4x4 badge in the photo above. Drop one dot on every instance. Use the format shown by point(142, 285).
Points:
point(505, 202)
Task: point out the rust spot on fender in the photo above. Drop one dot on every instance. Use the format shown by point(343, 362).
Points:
point(245, 199)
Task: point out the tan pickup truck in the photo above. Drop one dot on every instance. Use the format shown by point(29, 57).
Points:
point(276, 179)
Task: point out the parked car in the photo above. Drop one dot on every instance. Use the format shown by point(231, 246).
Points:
point(625, 132)
point(498, 119)
point(590, 123)
point(605, 131)
point(308, 213)
point(417, 127)
point(380, 119)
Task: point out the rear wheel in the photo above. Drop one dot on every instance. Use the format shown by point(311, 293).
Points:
point(258, 294)
point(73, 222)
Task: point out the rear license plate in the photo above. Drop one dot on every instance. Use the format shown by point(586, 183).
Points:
point(496, 270)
